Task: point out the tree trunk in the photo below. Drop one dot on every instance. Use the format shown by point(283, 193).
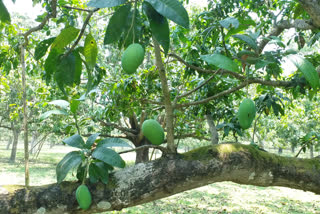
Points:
point(9, 142)
point(145, 182)
point(35, 137)
point(142, 155)
point(213, 129)
point(293, 148)
point(16, 132)
point(311, 151)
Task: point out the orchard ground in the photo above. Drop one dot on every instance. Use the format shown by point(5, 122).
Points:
point(224, 197)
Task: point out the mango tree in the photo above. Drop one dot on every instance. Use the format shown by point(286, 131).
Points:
point(231, 51)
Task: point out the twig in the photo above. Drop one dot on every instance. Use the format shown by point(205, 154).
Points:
point(43, 23)
point(194, 90)
point(207, 71)
point(77, 8)
point(162, 149)
point(86, 22)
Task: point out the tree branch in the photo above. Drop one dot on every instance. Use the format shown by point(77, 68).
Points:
point(127, 131)
point(53, 14)
point(145, 182)
point(207, 71)
point(86, 22)
point(194, 90)
point(162, 149)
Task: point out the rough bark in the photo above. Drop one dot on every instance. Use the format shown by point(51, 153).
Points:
point(15, 132)
point(213, 130)
point(166, 96)
point(312, 7)
point(157, 179)
point(9, 143)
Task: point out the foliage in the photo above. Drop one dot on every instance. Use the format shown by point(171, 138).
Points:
point(94, 158)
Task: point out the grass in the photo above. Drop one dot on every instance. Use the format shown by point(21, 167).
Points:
point(222, 198)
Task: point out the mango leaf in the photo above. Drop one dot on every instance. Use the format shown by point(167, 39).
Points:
point(91, 140)
point(70, 161)
point(74, 106)
point(108, 156)
point(90, 51)
point(78, 67)
point(105, 3)
point(50, 65)
point(98, 171)
point(75, 141)
point(221, 61)
point(229, 23)
point(113, 142)
point(117, 24)
point(308, 70)
point(42, 48)
point(65, 70)
point(247, 39)
point(65, 37)
point(171, 9)
point(55, 112)
point(159, 26)
point(4, 14)
point(60, 103)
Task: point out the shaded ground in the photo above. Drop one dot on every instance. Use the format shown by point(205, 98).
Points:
point(225, 197)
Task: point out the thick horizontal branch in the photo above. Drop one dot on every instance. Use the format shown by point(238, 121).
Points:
point(164, 177)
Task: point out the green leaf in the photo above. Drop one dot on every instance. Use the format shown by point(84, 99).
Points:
point(4, 14)
point(221, 61)
point(91, 140)
point(75, 141)
point(50, 65)
point(70, 161)
point(105, 3)
point(65, 37)
point(171, 9)
point(229, 22)
point(55, 112)
point(74, 106)
point(109, 157)
point(159, 26)
point(90, 51)
point(113, 142)
point(117, 24)
point(308, 70)
point(60, 103)
point(98, 171)
point(78, 67)
point(247, 39)
point(42, 48)
point(65, 70)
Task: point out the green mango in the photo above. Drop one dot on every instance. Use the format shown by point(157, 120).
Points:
point(83, 197)
point(246, 113)
point(132, 58)
point(153, 131)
